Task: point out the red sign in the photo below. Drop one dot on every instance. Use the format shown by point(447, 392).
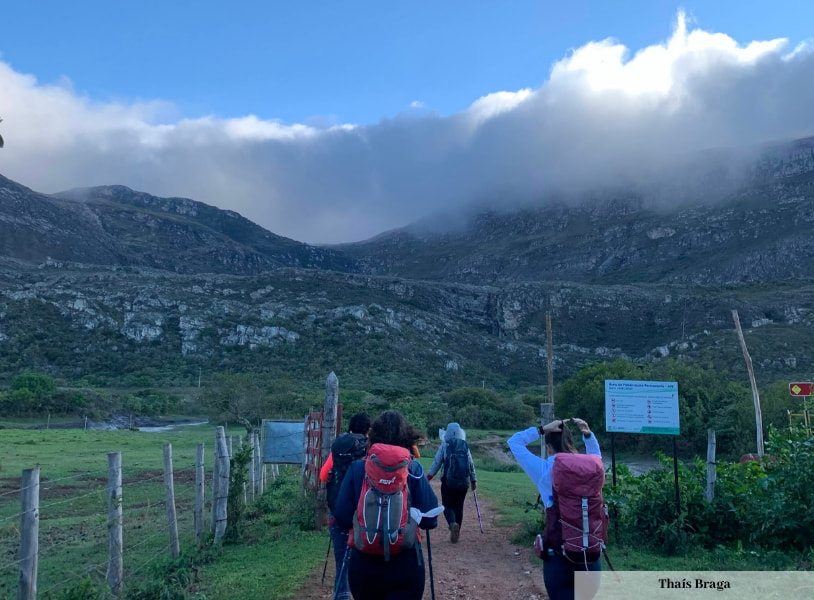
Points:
point(800, 389)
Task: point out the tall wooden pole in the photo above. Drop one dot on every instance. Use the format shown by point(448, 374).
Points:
point(755, 396)
point(549, 359)
point(29, 535)
point(115, 564)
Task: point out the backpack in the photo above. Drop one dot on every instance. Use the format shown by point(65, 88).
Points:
point(577, 522)
point(346, 448)
point(382, 524)
point(456, 464)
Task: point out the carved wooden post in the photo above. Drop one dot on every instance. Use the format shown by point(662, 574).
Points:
point(115, 560)
point(546, 416)
point(327, 439)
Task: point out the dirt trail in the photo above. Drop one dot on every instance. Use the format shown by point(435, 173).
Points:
point(481, 566)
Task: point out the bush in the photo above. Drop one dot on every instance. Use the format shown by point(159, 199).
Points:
point(764, 505)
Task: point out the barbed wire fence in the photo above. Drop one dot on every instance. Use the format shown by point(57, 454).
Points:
point(109, 527)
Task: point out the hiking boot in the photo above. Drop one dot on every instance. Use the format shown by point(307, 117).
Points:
point(454, 533)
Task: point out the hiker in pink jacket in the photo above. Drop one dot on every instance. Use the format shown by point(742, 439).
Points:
point(558, 570)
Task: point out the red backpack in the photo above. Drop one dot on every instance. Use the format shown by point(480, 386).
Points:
point(577, 522)
point(382, 523)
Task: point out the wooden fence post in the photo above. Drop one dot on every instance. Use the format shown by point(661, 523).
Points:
point(220, 501)
point(200, 491)
point(245, 492)
point(755, 396)
point(709, 494)
point(252, 471)
point(215, 480)
point(115, 560)
point(29, 535)
point(169, 502)
point(258, 466)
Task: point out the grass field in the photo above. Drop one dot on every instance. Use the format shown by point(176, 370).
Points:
point(73, 499)
point(277, 549)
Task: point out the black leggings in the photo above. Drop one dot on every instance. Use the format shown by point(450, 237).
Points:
point(453, 501)
point(558, 575)
point(400, 578)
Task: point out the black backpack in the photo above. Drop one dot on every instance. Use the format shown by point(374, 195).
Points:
point(347, 448)
point(456, 464)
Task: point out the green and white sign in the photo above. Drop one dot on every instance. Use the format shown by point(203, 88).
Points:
point(641, 406)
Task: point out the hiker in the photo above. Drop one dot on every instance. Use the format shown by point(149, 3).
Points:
point(347, 448)
point(386, 565)
point(459, 474)
point(558, 568)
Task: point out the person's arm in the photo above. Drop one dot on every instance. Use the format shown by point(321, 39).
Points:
point(437, 461)
point(424, 499)
point(591, 445)
point(346, 501)
point(534, 466)
point(326, 468)
point(473, 477)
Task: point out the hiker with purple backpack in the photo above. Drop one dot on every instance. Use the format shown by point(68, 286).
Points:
point(570, 485)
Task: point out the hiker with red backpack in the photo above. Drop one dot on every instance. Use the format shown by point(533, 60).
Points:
point(459, 475)
point(383, 501)
point(347, 448)
point(570, 485)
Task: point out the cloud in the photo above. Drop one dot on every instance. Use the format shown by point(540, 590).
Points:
point(604, 117)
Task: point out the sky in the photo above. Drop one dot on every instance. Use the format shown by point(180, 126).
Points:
point(331, 121)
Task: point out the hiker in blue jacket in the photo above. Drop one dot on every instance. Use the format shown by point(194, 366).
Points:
point(402, 577)
point(558, 572)
point(453, 493)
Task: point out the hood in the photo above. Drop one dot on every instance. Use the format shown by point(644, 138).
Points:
point(453, 431)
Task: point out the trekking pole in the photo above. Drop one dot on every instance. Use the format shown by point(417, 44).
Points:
point(429, 559)
point(477, 508)
point(341, 572)
point(325, 566)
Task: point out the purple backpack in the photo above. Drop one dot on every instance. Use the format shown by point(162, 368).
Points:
point(577, 522)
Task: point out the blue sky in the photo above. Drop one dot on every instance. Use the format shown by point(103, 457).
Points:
point(352, 61)
point(338, 120)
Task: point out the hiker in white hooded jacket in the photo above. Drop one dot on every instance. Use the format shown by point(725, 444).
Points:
point(558, 572)
point(453, 493)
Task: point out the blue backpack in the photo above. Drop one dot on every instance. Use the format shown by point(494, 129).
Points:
point(456, 464)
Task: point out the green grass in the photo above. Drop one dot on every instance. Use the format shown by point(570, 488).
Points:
point(73, 499)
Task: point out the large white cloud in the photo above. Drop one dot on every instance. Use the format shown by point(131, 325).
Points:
point(602, 118)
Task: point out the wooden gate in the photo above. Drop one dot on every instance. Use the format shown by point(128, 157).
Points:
point(312, 456)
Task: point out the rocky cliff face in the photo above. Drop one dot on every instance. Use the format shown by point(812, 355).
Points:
point(106, 282)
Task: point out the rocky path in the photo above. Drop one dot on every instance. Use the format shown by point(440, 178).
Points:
point(481, 566)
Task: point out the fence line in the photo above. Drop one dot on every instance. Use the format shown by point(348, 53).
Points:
point(89, 533)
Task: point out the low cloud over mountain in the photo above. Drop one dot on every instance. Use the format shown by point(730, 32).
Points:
point(604, 117)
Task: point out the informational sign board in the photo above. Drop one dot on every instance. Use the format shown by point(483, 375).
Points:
point(641, 407)
point(283, 442)
point(800, 389)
